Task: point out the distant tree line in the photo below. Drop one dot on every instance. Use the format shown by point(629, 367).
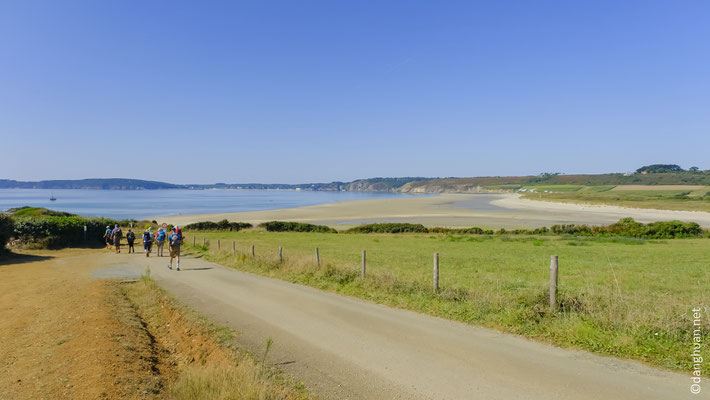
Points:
point(660, 169)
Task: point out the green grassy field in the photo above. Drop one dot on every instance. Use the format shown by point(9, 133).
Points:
point(630, 298)
point(555, 188)
point(690, 200)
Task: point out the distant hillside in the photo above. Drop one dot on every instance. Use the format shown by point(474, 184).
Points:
point(644, 176)
point(484, 184)
point(108, 184)
point(372, 185)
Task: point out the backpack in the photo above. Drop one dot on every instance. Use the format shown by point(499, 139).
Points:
point(118, 233)
point(146, 236)
point(174, 240)
point(161, 235)
point(131, 236)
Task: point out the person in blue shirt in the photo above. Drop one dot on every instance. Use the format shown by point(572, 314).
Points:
point(160, 240)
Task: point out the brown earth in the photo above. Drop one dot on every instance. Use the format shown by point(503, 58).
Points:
point(67, 335)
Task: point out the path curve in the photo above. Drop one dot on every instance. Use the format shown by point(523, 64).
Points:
point(346, 348)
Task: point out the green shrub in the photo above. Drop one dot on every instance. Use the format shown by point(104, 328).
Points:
point(60, 231)
point(37, 212)
point(282, 226)
point(389, 228)
point(6, 230)
point(463, 231)
point(629, 228)
point(222, 225)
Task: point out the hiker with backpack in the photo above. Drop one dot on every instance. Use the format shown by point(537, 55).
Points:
point(147, 242)
point(160, 240)
point(107, 237)
point(130, 238)
point(117, 235)
point(175, 241)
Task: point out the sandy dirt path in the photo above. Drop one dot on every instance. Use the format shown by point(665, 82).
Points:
point(344, 348)
point(65, 335)
point(484, 210)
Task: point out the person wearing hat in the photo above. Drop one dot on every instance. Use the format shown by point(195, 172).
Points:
point(117, 235)
point(107, 236)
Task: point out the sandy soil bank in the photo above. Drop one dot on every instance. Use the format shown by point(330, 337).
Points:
point(486, 210)
point(604, 211)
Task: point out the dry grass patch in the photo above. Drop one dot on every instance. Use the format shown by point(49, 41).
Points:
point(208, 364)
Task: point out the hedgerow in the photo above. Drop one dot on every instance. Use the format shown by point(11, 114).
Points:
point(222, 225)
point(389, 228)
point(58, 231)
point(282, 226)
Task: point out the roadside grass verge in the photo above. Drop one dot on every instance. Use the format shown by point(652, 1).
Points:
point(625, 297)
point(209, 366)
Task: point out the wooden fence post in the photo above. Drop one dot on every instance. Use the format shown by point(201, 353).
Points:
point(218, 245)
point(364, 264)
point(317, 258)
point(252, 250)
point(234, 248)
point(553, 283)
point(436, 272)
point(281, 254)
point(193, 240)
point(204, 241)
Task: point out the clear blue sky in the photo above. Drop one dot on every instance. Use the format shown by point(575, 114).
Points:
point(305, 91)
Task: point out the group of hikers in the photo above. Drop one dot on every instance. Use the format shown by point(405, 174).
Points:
point(114, 235)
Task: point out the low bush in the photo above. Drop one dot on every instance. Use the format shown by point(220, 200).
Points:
point(37, 212)
point(282, 226)
point(389, 228)
point(59, 231)
point(628, 227)
point(6, 230)
point(222, 225)
point(462, 231)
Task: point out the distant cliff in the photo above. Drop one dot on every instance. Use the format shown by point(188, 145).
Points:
point(381, 184)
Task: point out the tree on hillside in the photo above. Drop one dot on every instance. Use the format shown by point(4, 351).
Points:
point(693, 169)
point(659, 169)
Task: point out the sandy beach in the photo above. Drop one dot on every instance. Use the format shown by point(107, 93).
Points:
point(452, 210)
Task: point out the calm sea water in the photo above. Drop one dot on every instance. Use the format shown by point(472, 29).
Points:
point(140, 204)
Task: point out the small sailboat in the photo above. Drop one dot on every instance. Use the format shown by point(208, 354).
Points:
point(52, 198)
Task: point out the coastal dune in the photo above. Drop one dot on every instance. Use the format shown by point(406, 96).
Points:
point(452, 210)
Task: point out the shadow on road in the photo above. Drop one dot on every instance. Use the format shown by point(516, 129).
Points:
point(13, 258)
point(195, 269)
